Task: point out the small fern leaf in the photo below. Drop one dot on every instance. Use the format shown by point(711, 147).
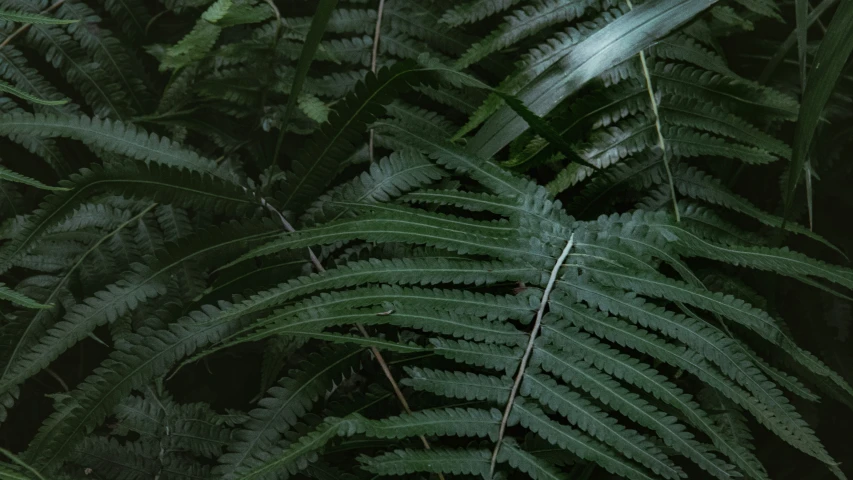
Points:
point(31, 18)
point(10, 176)
point(5, 87)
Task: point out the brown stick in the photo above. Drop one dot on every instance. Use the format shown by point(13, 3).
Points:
point(24, 28)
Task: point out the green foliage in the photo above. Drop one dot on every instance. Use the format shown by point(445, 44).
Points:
point(517, 248)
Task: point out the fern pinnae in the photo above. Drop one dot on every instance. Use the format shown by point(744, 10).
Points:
point(694, 183)
point(126, 368)
point(589, 418)
point(455, 158)
point(712, 344)
point(133, 15)
point(474, 11)
point(534, 419)
point(571, 342)
point(536, 468)
point(320, 158)
point(29, 18)
point(491, 307)
point(61, 50)
point(594, 380)
point(529, 350)
point(758, 379)
point(522, 23)
point(779, 260)
point(451, 461)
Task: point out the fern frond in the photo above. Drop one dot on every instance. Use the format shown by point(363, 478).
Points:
point(283, 406)
point(112, 136)
point(137, 180)
point(107, 456)
point(388, 178)
point(136, 361)
point(541, 95)
point(692, 182)
point(14, 67)
point(109, 53)
point(314, 168)
point(567, 438)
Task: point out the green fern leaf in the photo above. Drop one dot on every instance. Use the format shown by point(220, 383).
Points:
point(23, 17)
point(18, 299)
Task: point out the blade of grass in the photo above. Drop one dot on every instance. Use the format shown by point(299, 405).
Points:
point(312, 41)
point(801, 8)
point(830, 59)
point(785, 47)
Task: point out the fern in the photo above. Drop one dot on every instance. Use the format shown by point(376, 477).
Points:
point(284, 262)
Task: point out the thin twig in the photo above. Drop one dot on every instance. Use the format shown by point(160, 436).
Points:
point(58, 379)
point(376, 353)
point(526, 357)
point(24, 27)
point(373, 56)
point(290, 229)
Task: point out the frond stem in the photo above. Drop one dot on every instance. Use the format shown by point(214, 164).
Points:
point(529, 350)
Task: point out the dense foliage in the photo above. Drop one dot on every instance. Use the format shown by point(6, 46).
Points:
point(502, 239)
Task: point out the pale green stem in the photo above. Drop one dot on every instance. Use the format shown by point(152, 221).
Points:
point(555, 272)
